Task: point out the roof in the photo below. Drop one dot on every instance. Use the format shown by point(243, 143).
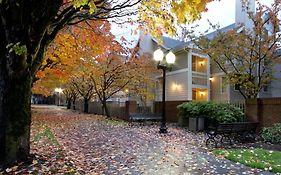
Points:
point(222, 30)
point(176, 45)
point(277, 52)
point(171, 43)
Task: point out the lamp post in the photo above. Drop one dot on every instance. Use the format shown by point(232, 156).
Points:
point(164, 63)
point(59, 90)
point(127, 94)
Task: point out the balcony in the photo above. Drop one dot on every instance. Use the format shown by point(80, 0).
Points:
point(199, 78)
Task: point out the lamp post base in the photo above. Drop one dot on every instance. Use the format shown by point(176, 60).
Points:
point(163, 129)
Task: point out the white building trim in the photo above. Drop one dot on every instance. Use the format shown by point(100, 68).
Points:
point(173, 72)
point(189, 75)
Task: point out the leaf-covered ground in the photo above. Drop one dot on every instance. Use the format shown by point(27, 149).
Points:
point(67, 142)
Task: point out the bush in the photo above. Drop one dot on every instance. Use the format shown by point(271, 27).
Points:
point(272, 134)
point(214, 112)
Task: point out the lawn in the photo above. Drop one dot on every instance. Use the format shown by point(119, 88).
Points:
point(255, 158)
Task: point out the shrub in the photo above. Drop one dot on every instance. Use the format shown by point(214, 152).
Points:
point(272, 134)
point(214, 112)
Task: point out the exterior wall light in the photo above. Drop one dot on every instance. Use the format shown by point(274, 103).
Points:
point(201, 63)
point(202, 93)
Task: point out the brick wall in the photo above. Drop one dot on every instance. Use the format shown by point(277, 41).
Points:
point(171, 109)
point(266, 111)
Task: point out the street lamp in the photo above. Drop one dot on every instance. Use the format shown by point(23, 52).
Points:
point(164, 63)
point(127, 94)
point(59, 90)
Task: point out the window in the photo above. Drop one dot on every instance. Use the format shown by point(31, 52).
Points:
point(223, 85)
point(266, 88)
point(236, 87)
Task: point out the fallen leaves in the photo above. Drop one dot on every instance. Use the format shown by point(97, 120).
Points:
point(66, 142)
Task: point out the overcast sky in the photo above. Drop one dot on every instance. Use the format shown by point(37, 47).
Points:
point(222, 13)
point(219, 12)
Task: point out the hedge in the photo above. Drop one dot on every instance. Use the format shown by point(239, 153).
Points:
point(214, 112)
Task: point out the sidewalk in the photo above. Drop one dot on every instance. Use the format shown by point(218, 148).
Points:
point(92, 145)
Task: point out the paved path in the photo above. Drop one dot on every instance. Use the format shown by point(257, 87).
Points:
point(95, 146)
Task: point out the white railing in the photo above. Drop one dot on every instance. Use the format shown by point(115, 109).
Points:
point(199, 78)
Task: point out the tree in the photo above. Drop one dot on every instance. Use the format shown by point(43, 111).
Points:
point(246, 56)
point(110, 76)
point(69, 55)
point(84, 86)
point(143, 69)
point(71, 95)
point(27, 27)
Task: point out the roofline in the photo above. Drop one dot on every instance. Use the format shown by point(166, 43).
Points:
point(155, 40)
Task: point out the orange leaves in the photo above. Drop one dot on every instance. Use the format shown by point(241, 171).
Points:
point(79, 52)
point(40, 74)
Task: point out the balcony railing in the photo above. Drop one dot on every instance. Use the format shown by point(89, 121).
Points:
point(199, 78)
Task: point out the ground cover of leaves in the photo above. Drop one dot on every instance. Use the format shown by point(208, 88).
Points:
point(68, 142)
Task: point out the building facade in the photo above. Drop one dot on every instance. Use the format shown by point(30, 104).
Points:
point(189, 78)
point(195, 77)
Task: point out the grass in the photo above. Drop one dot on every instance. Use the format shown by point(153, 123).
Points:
point(115, 122)
point(48, 134)
point(255, 158)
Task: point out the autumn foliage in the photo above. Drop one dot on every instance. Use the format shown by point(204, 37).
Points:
point(27, 28)
point(85, 58)
point(247, 55)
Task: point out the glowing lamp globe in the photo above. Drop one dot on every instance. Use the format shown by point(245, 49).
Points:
point(158, 55)
point(59, 90)
point(170, 58)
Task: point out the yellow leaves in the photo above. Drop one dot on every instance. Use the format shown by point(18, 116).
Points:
point(154, 14)
point(79, 52)
point(92, 6)
point(81, 3)
point(34, 162)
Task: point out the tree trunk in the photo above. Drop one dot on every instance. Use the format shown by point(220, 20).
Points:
point(105, 108)
point(73, 104)
point(15, 117)
point(86, 105)
point(68, 103)
point(24, 37)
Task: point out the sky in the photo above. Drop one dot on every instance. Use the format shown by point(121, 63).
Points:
point(219, 12)
point(222, 13)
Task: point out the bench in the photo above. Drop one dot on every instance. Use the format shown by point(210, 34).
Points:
point(241, 131)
